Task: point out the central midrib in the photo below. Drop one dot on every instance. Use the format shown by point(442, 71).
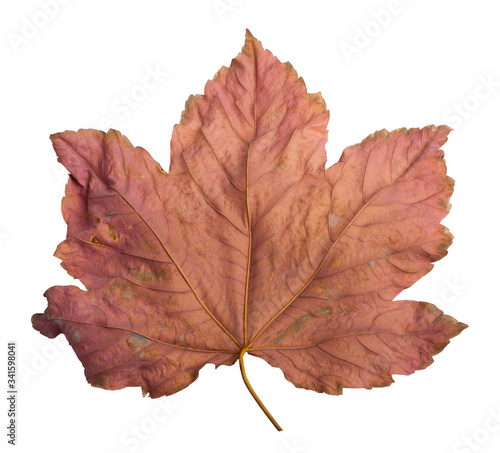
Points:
point(249, 217)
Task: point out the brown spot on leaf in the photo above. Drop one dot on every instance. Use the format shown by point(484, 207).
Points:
point(96, 240)
point(124, 289)
point(280, 167)
point(112, 232)
point(146, 276)
point(100, 381)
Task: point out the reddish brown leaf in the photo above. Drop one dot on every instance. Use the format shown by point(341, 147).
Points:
point(248, 245)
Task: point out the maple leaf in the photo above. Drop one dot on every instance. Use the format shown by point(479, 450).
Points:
point(248, 245)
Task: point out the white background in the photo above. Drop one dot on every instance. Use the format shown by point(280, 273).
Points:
point(426, 62)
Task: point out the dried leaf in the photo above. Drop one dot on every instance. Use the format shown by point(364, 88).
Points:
point(248, 245)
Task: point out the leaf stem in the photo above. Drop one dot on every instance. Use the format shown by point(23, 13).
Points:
point(252, 392)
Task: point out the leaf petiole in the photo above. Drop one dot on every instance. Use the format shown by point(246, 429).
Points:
point(252, 391)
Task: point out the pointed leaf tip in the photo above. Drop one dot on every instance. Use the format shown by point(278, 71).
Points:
point(248, 34)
